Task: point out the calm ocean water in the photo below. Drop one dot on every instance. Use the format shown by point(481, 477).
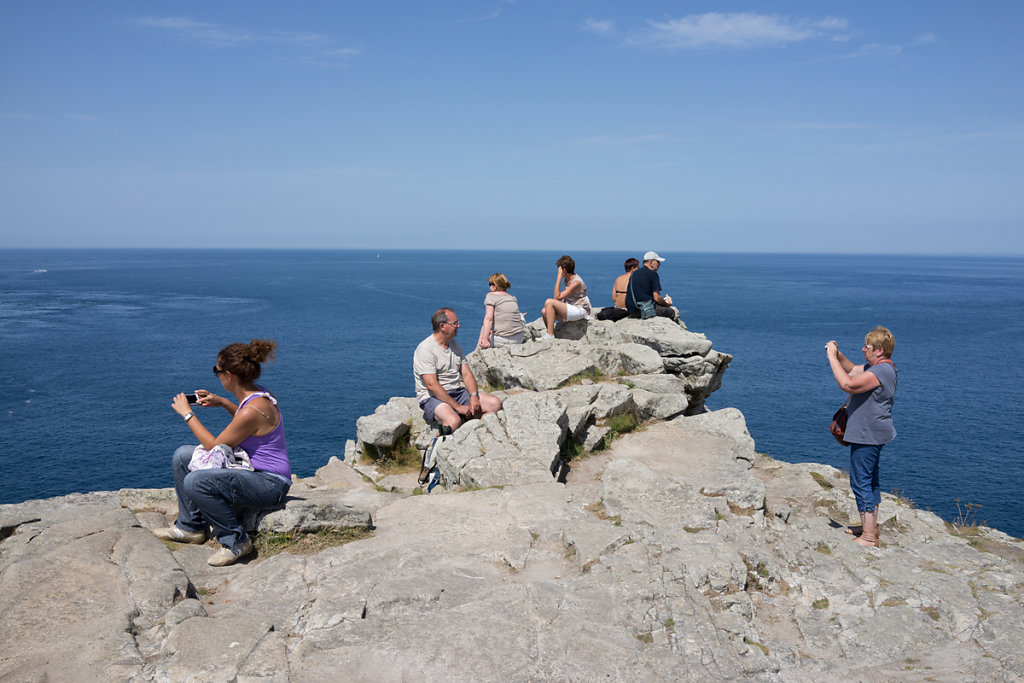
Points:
point(95, 343)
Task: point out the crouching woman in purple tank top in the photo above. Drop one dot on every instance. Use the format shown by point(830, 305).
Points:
point(212, 496)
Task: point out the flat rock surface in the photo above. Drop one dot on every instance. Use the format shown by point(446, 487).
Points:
point(677, 553)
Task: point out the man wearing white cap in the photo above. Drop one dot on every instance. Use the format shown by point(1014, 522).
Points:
point(643, 294)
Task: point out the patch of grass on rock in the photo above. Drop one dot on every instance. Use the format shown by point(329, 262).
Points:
point(822, 481)
point(593, 374)
point(623, 423)
point(401, 458)
point(270, 543)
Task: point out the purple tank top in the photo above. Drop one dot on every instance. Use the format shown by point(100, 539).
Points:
point(268, 453)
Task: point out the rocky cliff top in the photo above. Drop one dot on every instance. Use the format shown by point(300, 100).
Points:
point(673, 551)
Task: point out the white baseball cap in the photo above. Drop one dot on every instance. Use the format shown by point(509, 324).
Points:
point(653, 256)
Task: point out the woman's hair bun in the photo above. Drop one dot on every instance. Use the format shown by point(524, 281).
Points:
point(261, 349)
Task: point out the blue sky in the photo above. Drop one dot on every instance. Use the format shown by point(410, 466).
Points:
point(862, 127)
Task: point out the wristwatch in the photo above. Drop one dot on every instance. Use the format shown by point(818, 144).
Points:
point(188, 416)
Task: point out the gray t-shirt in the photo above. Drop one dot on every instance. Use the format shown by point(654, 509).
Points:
point(508, 321)
point(870, 420)
point(431, 358)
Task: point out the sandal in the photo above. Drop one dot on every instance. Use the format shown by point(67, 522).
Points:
point(854, 530)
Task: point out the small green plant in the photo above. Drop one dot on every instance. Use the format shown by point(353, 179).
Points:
point(758, 645)
point(645, 637)
point(893, 602)
point(966, 516)
point(670, 623)
point(623, 423)
point(571, 449)
point(400, 458)
point(901, 499)
point(820, 603)
point(270, 543)
point(823, 548)
point(933, 612)
point(418, 491)
point(694, 529)
point(592, 374)
point(597, 509)
point(822, 481)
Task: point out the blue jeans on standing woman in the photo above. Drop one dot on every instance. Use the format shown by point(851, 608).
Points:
point(864, 475)
point(211, 497)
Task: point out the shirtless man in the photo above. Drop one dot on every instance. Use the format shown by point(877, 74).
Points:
point(618, 310)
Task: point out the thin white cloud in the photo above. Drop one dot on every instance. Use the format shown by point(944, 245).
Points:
point(604, 27)
point(322, 51)
point(197, 31)
point(739, 30)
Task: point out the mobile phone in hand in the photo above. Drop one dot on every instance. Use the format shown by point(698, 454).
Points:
point(192, 399)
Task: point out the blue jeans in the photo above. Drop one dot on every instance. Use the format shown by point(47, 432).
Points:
point(211, 496)
point(864, 475)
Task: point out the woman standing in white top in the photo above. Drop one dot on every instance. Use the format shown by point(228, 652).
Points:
point(503, 323)
point(570, 303)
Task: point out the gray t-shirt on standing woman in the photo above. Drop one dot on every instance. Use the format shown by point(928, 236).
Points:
point(870, 420)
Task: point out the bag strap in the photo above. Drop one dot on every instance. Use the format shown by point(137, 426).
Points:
point(886, 360)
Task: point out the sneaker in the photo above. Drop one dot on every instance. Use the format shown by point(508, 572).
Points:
point(226, 556)
point(173, 533)
point(546, 336)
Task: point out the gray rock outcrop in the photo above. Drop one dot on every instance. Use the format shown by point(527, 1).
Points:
point(650, 370)
point(672, 552)
point(676, 553)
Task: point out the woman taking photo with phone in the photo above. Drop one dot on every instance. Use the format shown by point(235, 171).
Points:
point(212, 496)
point(872, 389)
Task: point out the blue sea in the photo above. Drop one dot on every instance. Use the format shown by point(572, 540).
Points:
point(96, 342)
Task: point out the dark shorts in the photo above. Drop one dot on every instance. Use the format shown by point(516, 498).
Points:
point(430, 404)
point(612, 313)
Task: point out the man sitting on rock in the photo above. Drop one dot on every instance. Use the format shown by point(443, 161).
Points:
point(445, 386)
point(618, 310)
point(643, 293)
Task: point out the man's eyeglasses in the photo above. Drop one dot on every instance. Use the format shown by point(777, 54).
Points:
point(217, 370)
point(453, 324)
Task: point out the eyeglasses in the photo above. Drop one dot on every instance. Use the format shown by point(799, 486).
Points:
point(869, 347)
point(454, 324)
point(217, 370)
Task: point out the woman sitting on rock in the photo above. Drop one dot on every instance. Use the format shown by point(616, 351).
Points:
point(872, 388)
point(503, 323)
point(211, 496)
point(568, 304)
